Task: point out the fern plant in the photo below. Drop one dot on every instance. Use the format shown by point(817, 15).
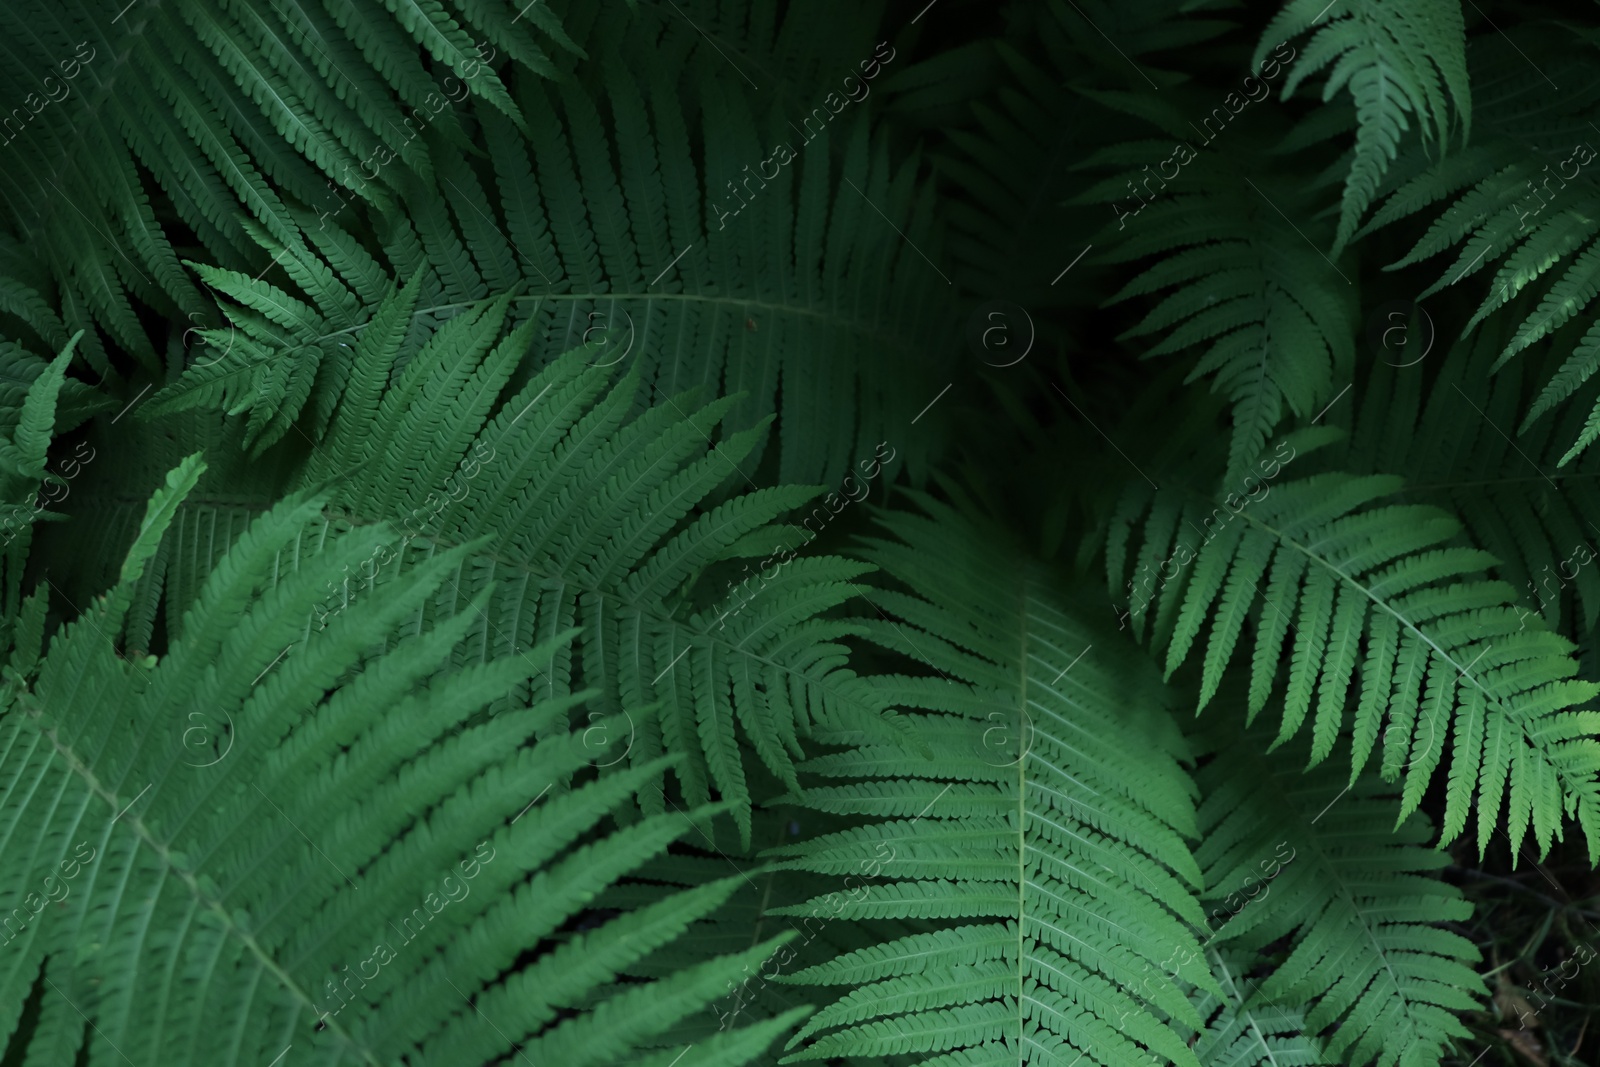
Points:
point(520, 548)
point(1046, 830)
point(259, 920)
point(578, 515)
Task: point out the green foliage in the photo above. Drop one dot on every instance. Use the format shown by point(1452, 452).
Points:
point(1386, 588)
point(1049, 842)
point(1539, 153)
point(1350, 901)
point(1396, 59)
point(254, 914)
point(623, 561)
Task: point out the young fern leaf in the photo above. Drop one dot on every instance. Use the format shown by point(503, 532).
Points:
point(1398, 58)
point(204, 878)
point(1365, 959)
point(1043, 841)
point(1385, 599)
point(1276, 318)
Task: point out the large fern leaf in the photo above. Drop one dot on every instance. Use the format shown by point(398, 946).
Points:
point(235, 836)
point(1046, 833)
point(586, 517)
point(1384, 596)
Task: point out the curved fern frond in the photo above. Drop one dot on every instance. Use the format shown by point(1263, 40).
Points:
point(788, 261)
point(1451, 437)
point(1387, 597)
point(240, 833)
point(592, 518)
point(1525, 197)
point(1276, 317)
point(1044, 838)
point(1398, 58)
point(1312, 869)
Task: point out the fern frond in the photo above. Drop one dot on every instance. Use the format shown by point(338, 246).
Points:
point(1354, 904)
point(1398, 58)
point(1242, 1030)
point(203, 872)
point(617, 238)
point(1450, 437)
point(1444, 657)
point(1539, 154)
point(587, 517)
point(1275, 316)
point(1043, 839)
